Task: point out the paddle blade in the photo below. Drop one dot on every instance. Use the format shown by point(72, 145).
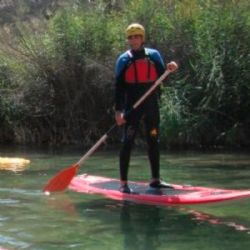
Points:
point(61, 181)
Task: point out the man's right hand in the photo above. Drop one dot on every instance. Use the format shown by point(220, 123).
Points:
point(119, 117)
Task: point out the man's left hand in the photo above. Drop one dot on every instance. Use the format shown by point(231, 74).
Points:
point(172, 66)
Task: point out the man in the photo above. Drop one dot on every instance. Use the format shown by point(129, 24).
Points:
point(136, 71)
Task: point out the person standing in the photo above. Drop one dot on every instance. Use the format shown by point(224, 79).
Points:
point(136, 70)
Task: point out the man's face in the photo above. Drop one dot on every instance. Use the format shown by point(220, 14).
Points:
point(135, 42)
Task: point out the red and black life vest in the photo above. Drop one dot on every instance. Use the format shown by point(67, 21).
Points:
point(140, 71)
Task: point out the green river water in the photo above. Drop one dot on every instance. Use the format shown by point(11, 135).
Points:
point(31, 220)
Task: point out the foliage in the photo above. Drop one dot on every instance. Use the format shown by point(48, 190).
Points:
point(56, 76)
point(220, 89)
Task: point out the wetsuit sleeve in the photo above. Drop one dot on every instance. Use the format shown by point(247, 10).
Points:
point(120, 89)
point(159, 63)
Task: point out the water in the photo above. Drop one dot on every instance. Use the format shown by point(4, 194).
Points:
point(31, 220)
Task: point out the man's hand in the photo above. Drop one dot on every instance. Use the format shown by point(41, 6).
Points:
point(119, 117)
point(172, 66)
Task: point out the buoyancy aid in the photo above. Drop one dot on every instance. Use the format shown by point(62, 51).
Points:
point(140, 70)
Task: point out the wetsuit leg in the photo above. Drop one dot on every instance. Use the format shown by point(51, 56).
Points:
point(130, 129)
point(152, 136)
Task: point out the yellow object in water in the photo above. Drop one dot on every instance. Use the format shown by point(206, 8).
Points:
point(13, 164)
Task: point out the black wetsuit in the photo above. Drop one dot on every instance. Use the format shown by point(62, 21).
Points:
point(136, 71)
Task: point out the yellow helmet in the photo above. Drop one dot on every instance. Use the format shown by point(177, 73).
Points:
point(135, 29)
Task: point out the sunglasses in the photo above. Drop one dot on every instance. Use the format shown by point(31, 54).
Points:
point(134, 37)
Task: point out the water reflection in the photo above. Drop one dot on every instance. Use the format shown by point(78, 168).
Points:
point(13, 164)
point(142, 230)
point(146, 227)
point(149, 227)
point(62, 202)
point(216, 221)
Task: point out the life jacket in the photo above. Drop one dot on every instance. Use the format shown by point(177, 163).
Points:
point(141, 70)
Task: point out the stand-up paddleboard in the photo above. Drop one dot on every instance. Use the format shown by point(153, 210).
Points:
point(179, 194)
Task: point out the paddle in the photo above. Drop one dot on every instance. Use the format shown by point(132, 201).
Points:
point(61, 181)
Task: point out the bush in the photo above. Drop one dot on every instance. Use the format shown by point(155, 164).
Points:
point(61, 72)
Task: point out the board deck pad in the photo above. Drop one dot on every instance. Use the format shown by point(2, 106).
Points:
point(138, 188)
point(179, 194)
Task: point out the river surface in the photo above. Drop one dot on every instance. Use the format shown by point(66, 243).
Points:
point(31, 220)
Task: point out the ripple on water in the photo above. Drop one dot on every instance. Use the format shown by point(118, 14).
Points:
point(21, 191)
point(12, 242)
point(8, 201)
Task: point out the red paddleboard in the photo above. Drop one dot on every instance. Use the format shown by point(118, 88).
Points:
point(179, 194)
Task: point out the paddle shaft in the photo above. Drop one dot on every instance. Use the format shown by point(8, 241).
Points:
point(137, 104)
point(98, 143)
point(152, 88)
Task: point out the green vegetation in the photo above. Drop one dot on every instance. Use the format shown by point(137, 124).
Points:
point(56, 75)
